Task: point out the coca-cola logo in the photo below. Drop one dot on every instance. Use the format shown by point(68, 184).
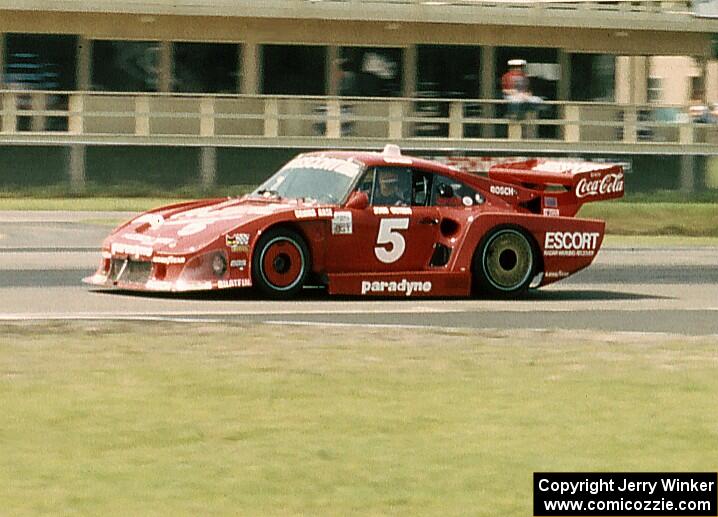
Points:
point(609, 184)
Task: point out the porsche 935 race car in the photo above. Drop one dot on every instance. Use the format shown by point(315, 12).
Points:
point(370, 223)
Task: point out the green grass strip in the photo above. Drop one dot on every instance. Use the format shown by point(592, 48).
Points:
point(681, 219)
point(151, 418)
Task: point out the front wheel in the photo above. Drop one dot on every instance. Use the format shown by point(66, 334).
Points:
point(504, 263)
point(280, 263)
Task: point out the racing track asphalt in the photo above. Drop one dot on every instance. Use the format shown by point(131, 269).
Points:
point(43, 257)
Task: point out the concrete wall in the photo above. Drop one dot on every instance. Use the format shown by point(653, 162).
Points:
point(343, 32)
point(173, 168)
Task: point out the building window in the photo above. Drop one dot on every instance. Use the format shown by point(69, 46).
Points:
point(125, 66)
point(40, 62)
point(294, 69)
point(593, 77)
point(448, 71)
point(370, 72)
point(697, 87)
point(655, 89)
point(205, 67)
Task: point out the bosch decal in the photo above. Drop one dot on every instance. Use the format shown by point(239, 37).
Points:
point(501, 190)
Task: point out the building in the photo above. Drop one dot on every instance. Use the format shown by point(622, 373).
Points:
point(192, 91)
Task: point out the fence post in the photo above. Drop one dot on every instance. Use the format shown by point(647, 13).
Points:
point(396, 114)
point(38, 104)
point(514, 129)
point(208, 166)
point(76, 106)
point(630, 124)
point(334, 125)
point(271, 117)
point(688, 177)
point(142, 115)
point(531, 126)
point(9, 116)
point(572, 130)
point(686, 133)
point(76, 167)
point(456, 120)
point(206, 121)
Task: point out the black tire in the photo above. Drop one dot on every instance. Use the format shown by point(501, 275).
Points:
point(504, 263)
point(280, 263)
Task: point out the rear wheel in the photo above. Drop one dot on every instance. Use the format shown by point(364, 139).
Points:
point(504, 263)
point(280, 263)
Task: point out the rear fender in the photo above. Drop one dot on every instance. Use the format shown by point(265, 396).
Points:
point(566, 245)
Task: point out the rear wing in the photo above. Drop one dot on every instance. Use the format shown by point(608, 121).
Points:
point(587, 181)
point(549, 186)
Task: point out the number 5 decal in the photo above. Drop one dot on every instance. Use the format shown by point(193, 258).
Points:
point(388, 234)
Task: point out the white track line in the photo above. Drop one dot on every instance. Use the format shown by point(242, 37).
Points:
point(214, 315)
point(110, 318)
point(483, 329)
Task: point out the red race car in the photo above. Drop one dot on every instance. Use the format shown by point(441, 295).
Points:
point(379, 224)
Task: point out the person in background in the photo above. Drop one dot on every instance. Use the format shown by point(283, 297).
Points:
point(698, 110)
point(348, 83)
point(515, 87)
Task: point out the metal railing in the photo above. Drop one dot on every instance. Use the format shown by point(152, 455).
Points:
point(161, 6)
point(652, 6)
point(198, 119)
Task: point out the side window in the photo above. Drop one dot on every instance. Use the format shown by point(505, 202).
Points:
point(366, 183)
point(450, 192)
point(420, 188)
point(392, 186)
point(398, 186)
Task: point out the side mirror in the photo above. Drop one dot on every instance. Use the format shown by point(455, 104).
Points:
point(446, 190)
point(358, 200)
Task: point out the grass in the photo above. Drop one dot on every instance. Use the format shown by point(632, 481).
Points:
point(150, 419)
point(123, 204)
point(653, 241)
point(685, 219)
point(127, 189)
point(701, 195)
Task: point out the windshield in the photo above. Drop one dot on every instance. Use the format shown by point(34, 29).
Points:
point(317, 178)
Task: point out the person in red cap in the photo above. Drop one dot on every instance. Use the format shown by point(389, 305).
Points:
point(515, 87)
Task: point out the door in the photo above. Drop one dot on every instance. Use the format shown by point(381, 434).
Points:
point(396, 232)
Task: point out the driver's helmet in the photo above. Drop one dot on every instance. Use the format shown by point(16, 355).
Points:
point(395, 186)
point(389, 180)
